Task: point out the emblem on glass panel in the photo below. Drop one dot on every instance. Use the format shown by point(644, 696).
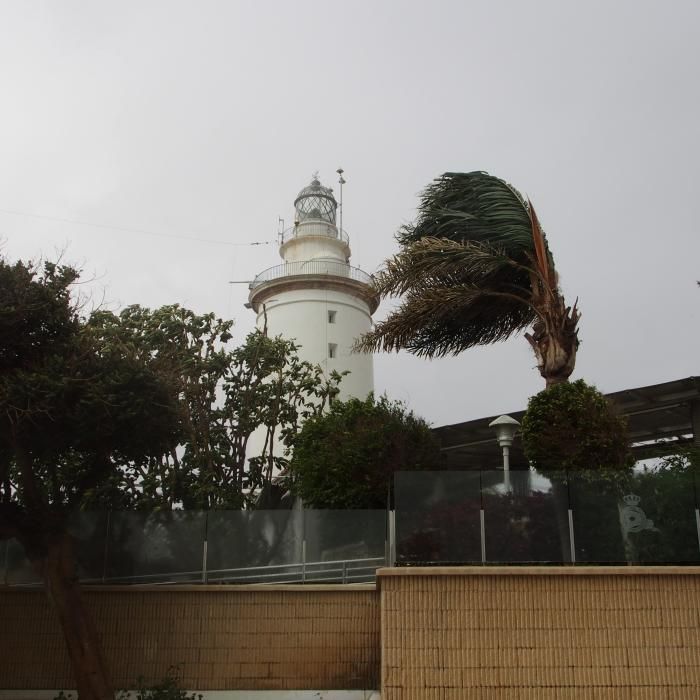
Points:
point(632, 517)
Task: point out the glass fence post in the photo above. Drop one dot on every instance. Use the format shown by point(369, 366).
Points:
point(482, 524)
point(6, 548)
point(572, 543)
point(303, 561)
point(106, 551)
point(303, 543)
point(388, 561)
point(392, 538)
point(205, 547)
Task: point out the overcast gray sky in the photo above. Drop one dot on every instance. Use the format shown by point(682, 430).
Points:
point(204, 119)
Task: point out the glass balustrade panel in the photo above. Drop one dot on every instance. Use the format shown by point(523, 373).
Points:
point(525, 520)
point(437, 517)
point(254, 546)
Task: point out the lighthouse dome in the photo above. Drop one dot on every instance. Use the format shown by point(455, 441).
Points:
point(315, 202)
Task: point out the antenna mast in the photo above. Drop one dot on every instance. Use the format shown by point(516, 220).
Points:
point(280, 229)
point(341, 180)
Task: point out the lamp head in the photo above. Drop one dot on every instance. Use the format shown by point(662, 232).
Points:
point(505, 428)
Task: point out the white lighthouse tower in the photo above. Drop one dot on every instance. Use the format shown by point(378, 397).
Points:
point(315, 297)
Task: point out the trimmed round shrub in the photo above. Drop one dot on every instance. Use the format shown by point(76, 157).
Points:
point(572, 426)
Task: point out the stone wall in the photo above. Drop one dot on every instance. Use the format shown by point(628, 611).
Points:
point(224, 637)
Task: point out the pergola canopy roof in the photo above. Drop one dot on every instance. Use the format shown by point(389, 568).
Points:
point(656, 412)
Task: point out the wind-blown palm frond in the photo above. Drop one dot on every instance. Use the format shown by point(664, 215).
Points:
point(472, 206)
point(456, 296)
point(474, 269)
point(441, 258)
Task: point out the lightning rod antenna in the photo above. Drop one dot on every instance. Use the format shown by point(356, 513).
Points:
point(341, 180)
point(280, 229)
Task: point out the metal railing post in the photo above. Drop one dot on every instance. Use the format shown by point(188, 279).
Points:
point(106, 549)
point(482, 527)
point(572, 542)
point(205, 547)
point(6, 545)
point(392, 538)
point(303, 542)
point(303, 561)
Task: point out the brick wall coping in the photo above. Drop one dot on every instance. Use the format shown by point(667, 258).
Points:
point(210, 588)
point(538, 571)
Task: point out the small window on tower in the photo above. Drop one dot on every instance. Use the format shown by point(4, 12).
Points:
point(331, 316)
point(332, 350)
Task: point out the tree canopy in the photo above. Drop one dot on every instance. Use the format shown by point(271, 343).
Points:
point(144, 409)
point(223, 396)
point(473, 269)
point(345, 458)
point(71, 411)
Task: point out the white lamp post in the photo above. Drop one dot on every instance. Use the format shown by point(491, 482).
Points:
point(505, 428)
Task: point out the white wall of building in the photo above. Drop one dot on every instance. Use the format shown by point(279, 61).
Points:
point(310, 246)
point(303, 315)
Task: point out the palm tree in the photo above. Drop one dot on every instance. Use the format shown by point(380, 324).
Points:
point(474, 269)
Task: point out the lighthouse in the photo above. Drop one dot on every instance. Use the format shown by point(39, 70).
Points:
point(315, 297)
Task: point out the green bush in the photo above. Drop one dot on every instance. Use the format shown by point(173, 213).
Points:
point(167, 689)
point(346, 458)
point(572, 426)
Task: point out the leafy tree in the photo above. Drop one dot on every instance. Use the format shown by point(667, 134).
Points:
point(345, 458)
point(573, 427)
point(223, 396)
point(146, 409)
point(475, 268)
point(71, 411)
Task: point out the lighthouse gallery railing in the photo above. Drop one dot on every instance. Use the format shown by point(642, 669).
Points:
point(312, 268)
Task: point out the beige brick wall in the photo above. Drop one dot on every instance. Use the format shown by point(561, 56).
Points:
point(453, 633)
point(446, 634)
point(225, 637)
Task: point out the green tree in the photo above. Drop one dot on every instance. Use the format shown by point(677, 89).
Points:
point(71, 411)
point(145, 409)
point(223, 396)
point(345, 458)
point(474, 269)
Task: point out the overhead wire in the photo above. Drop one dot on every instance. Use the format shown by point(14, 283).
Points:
point(125, 229)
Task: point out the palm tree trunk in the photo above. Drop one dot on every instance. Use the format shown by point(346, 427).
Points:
point(554, 340)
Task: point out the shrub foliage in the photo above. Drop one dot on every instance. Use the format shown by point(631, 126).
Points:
point(572, 426)
point(346, 458)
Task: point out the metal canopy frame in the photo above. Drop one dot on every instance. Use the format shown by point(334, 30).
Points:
point(668, 411)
